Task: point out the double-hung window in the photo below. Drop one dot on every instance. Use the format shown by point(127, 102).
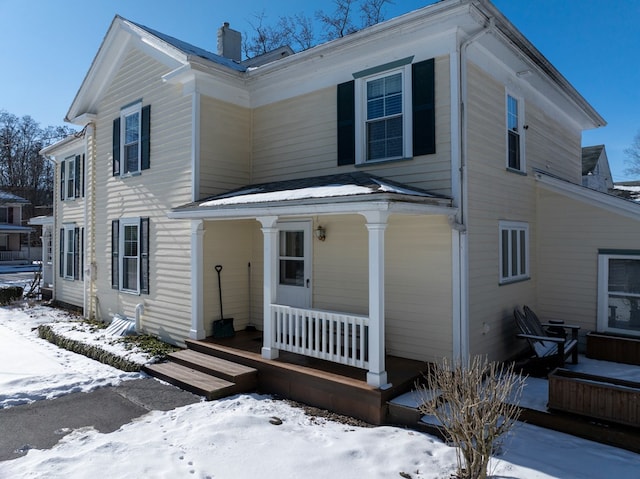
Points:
point(386, 113)
point(71, 177)
point(619, 292)
point(514, 251)
point(130, 255)
point(71, 243)
point(384, 117)
point(131, 145)
point(515, 131)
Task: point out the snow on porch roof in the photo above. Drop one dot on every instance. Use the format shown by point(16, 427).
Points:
point(330, 189)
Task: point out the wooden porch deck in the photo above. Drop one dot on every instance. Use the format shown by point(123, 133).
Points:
point(319, 383)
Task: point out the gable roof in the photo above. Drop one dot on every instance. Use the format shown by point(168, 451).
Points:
point(7, 198)
point(324, 192)
point(468, 16)
point(190, 50)
point(590, 157)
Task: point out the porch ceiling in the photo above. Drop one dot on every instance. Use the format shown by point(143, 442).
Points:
point(332, 194)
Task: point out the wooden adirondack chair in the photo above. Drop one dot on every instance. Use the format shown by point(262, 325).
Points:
point(549, 347)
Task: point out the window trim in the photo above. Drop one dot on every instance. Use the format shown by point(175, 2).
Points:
point(124, 223)
point(520, 132)
point(361, 82)
point(124, 113)
point(71, 243)
point(118, 227)
point(519, 228)
point(602, 320)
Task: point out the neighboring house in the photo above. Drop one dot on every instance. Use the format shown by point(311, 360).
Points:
point(409, 184)
point(11, 230)
point(596, 173)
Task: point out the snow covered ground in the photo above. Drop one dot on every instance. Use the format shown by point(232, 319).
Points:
point(238, 437)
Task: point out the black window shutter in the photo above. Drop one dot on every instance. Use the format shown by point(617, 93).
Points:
point(145, 138)
point(62, 252)
point(144, 255)
point(424, 111)
point(62, 180)
point(76, 253)
point(346, 124)
point(81, 253)
point(78, 185)
point(115, 241)
point(116, 147)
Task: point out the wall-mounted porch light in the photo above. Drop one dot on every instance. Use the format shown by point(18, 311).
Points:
point(320, 233)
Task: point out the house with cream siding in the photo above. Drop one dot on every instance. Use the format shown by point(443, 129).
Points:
point(396, 192)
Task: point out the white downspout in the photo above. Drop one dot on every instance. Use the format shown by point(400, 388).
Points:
point(139, 313)
point(459, 227)
point(86, 274)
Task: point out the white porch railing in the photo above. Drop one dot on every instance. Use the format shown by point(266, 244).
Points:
point(338, 337)
point(12, 255)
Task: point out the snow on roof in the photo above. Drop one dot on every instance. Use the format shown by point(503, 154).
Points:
point(330, 186)
point(6, 197)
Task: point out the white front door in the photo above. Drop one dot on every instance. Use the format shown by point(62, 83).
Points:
point(294, 264)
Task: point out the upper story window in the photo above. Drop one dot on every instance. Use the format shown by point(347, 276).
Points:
point(515, 134)
point(131, 140)
point(6, 214)
point(387, 113)
point(514, 251)
point(384, 118)
point(71, 183)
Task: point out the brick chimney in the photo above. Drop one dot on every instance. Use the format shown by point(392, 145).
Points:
point(229, 43)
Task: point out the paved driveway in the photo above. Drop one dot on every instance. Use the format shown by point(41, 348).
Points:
point(41, 424)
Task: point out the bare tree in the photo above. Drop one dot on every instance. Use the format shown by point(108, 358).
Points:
point(23, 171)
point(298, 32)
point(633, 154)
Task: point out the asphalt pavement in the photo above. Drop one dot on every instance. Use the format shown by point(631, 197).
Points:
point(41, 424)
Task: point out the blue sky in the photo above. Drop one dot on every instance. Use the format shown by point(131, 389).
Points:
point(46, 48)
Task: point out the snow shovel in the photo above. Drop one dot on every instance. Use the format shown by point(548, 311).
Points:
point(223, 327)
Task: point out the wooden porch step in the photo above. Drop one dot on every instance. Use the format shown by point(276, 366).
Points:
point(244, 376)
point(193, 380)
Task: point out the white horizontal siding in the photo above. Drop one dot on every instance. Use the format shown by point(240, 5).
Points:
point(152, 194)
point(568, 256)
point(225, 146)
point(297, 138)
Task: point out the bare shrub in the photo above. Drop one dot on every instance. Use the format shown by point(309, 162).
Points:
point(475, 405)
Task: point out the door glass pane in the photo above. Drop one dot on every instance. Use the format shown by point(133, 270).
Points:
point(624, 294)
point(292, 258)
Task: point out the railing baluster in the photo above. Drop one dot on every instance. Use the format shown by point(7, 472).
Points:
point(336, 337)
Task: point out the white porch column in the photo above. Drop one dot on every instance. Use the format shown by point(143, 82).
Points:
point(270, 237)
point(197, 330)
point(376, 224)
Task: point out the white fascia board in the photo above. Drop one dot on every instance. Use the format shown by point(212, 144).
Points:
point(121, 36)
point(517, 44)
point(327, 70)
point(614, 204)
point(313, 209)
point(62, 148)
point(210, 80)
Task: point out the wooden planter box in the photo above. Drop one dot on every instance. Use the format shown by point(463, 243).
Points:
point(608, 347)
point(597, 397)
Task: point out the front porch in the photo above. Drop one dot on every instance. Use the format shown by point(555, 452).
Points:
point(313, 381)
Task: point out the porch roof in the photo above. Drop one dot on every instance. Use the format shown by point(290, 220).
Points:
point(331, 194)
point(6, 228)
